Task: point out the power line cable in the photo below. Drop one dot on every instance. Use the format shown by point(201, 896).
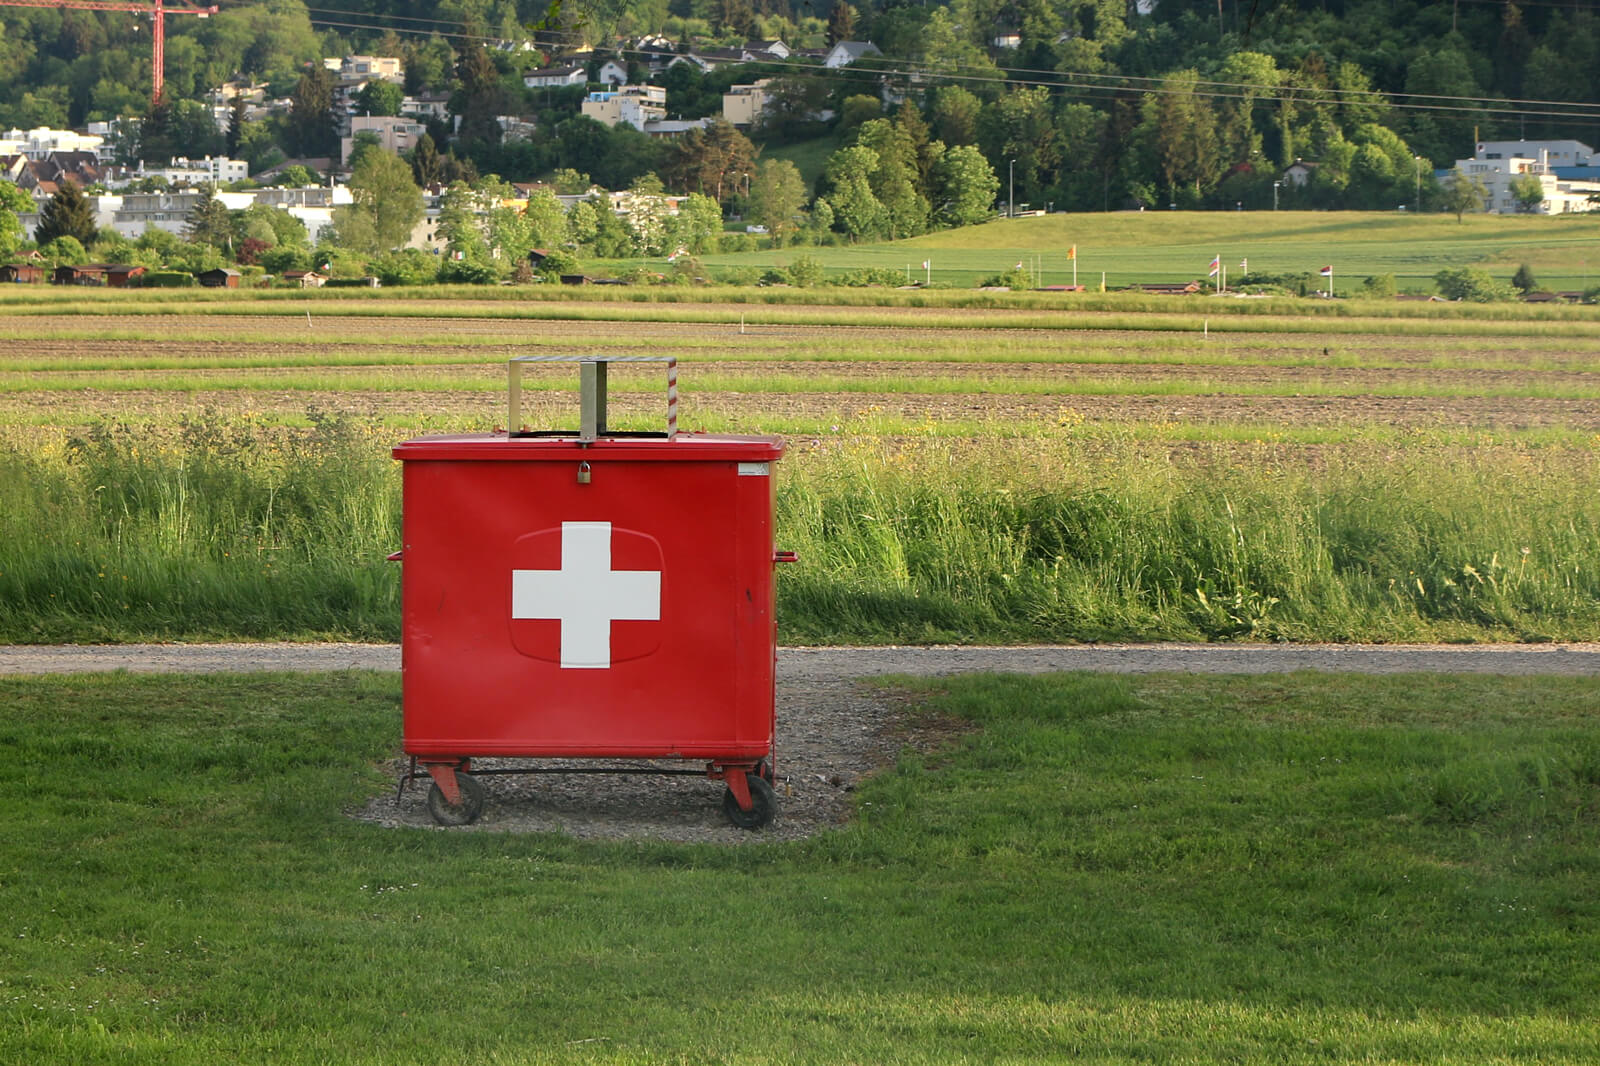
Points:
point(1086, 82)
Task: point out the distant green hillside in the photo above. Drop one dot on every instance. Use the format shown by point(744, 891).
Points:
point(1564, 252)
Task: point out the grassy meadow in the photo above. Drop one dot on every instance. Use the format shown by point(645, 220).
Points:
point(997, 473)
point(1289, 869)
point(1151, 246)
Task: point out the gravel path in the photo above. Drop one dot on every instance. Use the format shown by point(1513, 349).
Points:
point(831, 728)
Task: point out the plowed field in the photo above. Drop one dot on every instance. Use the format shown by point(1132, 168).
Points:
point(448, 369)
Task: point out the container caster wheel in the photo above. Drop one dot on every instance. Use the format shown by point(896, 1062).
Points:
point(763, 804)
point(473, 800)
point(765, 772)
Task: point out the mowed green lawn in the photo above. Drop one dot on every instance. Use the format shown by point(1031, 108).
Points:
point(1150, 246)
point(1292, 869)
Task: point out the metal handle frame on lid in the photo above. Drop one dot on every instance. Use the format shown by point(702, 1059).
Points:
point(591, 393)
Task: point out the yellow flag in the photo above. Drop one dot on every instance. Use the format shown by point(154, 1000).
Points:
point(1072, 253)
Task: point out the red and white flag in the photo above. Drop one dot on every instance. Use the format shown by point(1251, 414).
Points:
point(1327, 271)
point(1216, 266)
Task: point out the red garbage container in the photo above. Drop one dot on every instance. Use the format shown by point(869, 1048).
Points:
point(589, 595)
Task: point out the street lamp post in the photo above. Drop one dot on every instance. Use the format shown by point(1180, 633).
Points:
point(1275, 187)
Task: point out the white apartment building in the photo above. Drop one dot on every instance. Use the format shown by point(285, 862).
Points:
point(633, 104)
point(367, 68)
point(131, 214)
point(41, 141)
point(218, 170)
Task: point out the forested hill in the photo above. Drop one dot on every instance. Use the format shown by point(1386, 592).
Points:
point(1090, 103)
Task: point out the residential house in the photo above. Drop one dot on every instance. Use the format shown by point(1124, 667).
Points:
point(655, 52)
point(1298, 173)
point(426, 106)
point(516, 128)
point(633, 104)
point(613, 73)
point(41, 177)
point(556, 77)
point(743, 105)
point(846, 52)
point(367, 68)
point(396, 133)
point(675, 127)
point(709, 59)
point(767, 51)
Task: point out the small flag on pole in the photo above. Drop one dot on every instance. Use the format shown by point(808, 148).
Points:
point(926, 264)
point(1327, 271)
point(1216, 266)
point(1244, 265)
point(1072, 252)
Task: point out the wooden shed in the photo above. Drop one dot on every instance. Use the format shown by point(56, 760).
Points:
point(23, 273)
point(114, 275)
point(219, 278)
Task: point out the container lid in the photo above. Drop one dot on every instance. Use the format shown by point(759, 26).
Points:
point(685, 447)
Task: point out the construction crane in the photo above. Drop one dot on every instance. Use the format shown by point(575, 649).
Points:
point(157, 11)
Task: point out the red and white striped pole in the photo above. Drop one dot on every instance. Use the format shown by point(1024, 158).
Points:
point(672, 397)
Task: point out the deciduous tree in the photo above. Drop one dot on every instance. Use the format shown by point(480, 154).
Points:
point(13, 202)
point(777, 198)
point(856, 210)
point(965, 186)
point(894, 179)
point(1463, 193)
point(716, 160)
point(547, 220)
point(387, 204)
point(379, 97)
point(1528, 193)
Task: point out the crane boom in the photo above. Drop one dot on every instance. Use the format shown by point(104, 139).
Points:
point(157, 11)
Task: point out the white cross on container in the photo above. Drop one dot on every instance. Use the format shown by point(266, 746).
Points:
point(586, 595)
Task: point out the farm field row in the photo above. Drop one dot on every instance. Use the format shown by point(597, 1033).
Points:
point(797, 378)
point(953, 474)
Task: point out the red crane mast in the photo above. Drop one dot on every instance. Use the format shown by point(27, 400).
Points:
point(157, 11)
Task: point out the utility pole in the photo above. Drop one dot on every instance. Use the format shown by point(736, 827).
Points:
point(157, 11)
point(1011, 193)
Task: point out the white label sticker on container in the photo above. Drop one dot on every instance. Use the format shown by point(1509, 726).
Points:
point(755, 469)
